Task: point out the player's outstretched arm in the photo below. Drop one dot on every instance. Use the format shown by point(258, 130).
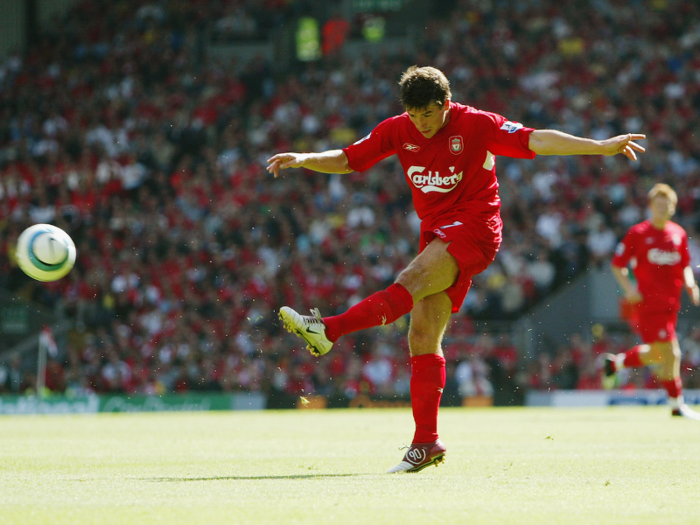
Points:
point(552, 142)
point(332, 161)
point(691, 286)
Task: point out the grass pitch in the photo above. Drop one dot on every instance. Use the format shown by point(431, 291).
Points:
point(514, 466)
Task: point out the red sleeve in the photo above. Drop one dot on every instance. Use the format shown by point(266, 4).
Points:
point(506, 138)
point(624, 251)
point(369, 150)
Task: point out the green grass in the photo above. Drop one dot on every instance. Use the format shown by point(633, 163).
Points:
point(515, 466)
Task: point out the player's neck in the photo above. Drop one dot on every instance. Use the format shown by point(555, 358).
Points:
point(658, 222)
point(448, 114)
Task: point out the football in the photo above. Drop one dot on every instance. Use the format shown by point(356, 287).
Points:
point(45, 252)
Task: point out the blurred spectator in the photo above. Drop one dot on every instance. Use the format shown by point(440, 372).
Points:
point(472, 377)
point(149, 153)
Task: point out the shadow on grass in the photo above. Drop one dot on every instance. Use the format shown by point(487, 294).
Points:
point(252, 478)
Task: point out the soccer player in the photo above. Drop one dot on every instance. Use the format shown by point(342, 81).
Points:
point(660, 249)
point(448, 154)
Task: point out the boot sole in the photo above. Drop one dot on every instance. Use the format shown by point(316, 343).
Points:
point(435, 461)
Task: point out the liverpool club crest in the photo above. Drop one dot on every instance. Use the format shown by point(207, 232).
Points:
point(456, 144)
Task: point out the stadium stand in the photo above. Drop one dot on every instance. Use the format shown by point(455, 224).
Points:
point(117, 126)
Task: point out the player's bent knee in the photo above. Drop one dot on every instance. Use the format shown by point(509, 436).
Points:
point(415, 279)
point(412, 275)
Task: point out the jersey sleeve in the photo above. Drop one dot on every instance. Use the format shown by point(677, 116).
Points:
point(506, 138)
point(369, 150)
point(624, 250)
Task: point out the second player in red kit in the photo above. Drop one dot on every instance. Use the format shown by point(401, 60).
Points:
point(448, 155)
point(658, 250)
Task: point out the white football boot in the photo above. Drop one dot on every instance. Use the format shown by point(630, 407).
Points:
point(684, 410)
point(309, 327)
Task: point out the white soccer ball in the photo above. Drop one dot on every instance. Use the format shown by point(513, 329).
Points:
point(45, 252)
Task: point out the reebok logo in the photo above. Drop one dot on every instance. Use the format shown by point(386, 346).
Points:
point(411, 147)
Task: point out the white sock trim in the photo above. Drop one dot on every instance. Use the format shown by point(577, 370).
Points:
point(619, 361)
point(676, 402)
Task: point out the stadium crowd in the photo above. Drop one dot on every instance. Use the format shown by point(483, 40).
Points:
point(118, 127)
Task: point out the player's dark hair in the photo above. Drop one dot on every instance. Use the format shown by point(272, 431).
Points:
point(422, 86)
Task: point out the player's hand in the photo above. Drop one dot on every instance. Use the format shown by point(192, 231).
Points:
point(282, 161)
point(633, 296)
point(623, 144)
point(694, 294)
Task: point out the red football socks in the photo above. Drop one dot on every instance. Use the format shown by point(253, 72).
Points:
point(673, 386)
point(379, 308)
point(632, 359)
point(427, 383)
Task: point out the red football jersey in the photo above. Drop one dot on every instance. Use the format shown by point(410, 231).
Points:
point(658, 258)
point(454, 170)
